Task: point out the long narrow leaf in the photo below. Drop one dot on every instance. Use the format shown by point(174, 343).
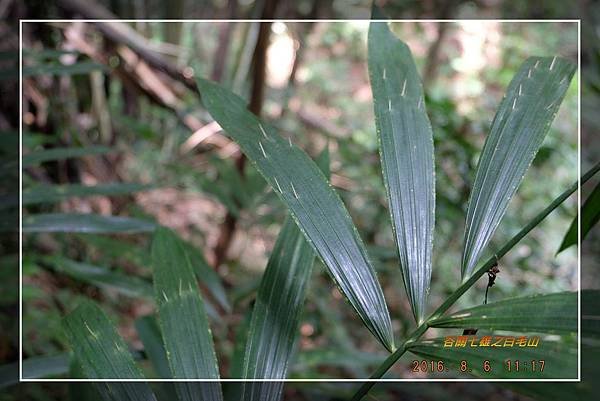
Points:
point(40, 156)
point(317, 358)
point(316, 207)
point(102, 277)
point(45, 366)
point(590, 350)
point(559, 356)
point(181, 313)
point(406, 150)
point(79, 68)
point(207, 275)
point(549, 313)
point(34, 368)
point(116, 248)
point(46, 54)
point(236, 363)
point(590, 214)
point(41, 367)
point(84, 223)
point(57, 193)
point(518, 130)
point(233, 391)
point(277, 310)
point(590, 314)
point(557, 391)
point(85, 391)
point(101, 351)
point(194, 391)
point(103, 354)
point(149, 333)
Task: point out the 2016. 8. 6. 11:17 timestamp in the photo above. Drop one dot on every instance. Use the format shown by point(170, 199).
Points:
point(483, 367)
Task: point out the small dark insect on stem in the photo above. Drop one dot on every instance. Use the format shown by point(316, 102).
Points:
point(491, 278)
point(491, 281)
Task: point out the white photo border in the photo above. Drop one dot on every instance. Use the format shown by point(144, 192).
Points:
point(399, 380)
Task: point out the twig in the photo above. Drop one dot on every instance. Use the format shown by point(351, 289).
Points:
point(201, 134)
point(221, 52)
point(431, 63)
point(121, 33)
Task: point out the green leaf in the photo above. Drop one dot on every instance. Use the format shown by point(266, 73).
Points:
point(102, 353)
point(316, 207)
point(518, 130)
point(236, 363)
point(181, 313)
point(114, 249)
point(57, 193)
point(32, 139)
point(149, 333)
point(198, 391)
point(590, 352)
point(549, 313)
point(233, 391)
point(278, 308)
point(406, 152)
point(102, 277)
point(554, 391)
point(331, 357)
point(45, 366)
point(276, 314)
point(40, 367)
point(559, 356)
point(590, 314)
point(84, 223)
point(47, 54)
point(41, 156)
point(78, 68)
point(590, 214)
point(86, 391)
point(34, 368)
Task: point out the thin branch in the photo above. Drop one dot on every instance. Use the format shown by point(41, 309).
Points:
point(121, 33)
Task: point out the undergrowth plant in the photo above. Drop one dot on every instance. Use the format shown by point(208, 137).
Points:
point(178, 340)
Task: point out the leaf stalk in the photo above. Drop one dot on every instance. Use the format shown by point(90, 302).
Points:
point(468, 283)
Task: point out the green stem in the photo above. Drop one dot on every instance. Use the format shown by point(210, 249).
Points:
point(422, 328)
